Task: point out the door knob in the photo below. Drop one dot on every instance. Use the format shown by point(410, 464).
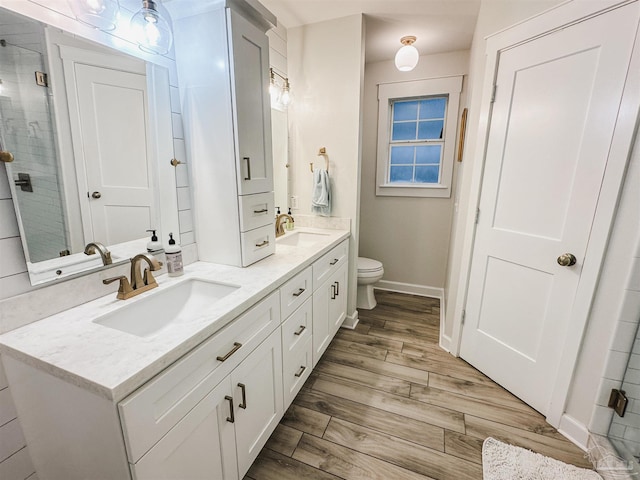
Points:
point(96, 195)
point(567, 260)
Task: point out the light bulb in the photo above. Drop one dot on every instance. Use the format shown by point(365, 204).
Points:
point(273, 88)
point(408, 56)
point(152, 31)
point(285, 98)
point(100, 14)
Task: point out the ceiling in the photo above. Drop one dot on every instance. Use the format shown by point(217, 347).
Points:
point(440, 25)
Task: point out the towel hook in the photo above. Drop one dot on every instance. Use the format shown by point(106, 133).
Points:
point(322, 152)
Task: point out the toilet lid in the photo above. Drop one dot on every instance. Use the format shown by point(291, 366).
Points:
point(368, 265)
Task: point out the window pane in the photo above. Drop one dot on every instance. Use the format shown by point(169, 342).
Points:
point(404, 131)
point(401, 174)
point(428, 154)
point(405, 110)
point(432, 108)
point(430, 130)
point(402, 155)
point(427, 174)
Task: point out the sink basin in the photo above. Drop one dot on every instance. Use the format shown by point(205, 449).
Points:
point(176, 304)
point(301, 239)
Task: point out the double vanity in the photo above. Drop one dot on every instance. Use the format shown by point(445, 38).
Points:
point(187, 380)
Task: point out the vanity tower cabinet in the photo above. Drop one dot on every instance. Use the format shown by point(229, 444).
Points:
point(222, 55)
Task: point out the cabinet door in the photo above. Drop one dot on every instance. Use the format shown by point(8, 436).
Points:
point(338, 300)
point(250, 83)
point(258, 399)
point(201, 445)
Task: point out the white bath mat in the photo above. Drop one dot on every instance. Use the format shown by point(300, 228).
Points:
point(507, 462)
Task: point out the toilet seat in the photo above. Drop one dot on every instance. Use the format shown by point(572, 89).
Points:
point(368, 266)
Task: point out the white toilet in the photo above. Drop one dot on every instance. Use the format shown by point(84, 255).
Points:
point(369, 272)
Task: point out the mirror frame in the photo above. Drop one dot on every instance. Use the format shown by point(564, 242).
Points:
point(57, 14)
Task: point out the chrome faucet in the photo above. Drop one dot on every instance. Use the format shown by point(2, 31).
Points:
point(140, 282)
point(105, 254)
point(279, 223)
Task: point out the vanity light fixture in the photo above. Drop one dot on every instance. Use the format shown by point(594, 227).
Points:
point(408, 56)
point(101, 14)
point(280, 94)
point(151, 29)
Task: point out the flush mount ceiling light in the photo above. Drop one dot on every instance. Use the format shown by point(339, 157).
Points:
point(151, 29)
point(100, 14)
point(407, 57)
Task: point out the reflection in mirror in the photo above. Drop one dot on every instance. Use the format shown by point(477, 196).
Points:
point(75, 115)
point(280, 142)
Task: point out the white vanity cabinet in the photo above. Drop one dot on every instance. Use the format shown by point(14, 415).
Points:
point(329, 297)
point(222, 55)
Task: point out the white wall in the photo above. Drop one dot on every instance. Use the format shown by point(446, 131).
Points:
point(326, 70)
point(16, 293)
point(410, 236)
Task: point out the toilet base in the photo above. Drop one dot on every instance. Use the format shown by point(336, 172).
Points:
point(366, 300)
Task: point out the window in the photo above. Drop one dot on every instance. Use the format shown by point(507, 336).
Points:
point(416, 137)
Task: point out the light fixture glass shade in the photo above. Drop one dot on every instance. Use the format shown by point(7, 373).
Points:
point(100, 14)
point(407, 57)
point(151, 29)
point(285, 98)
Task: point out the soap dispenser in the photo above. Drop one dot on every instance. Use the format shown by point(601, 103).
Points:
point(154, 247)
point(174, 258)
point(289, 225)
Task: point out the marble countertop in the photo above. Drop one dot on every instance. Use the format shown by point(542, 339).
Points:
point(111, 363)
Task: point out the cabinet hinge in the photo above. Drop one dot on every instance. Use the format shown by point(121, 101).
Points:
point(477, 215)
point(464, 314)
point(493, 93)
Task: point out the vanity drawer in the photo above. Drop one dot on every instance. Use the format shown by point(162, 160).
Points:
point(256, 210)
point(150, 412)
point(258, 244)
point(296, 370)
point(295, 292)
point(329, 263)
point(297, 328)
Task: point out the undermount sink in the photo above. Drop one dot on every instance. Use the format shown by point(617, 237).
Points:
point(300, 239)
point(176, 304)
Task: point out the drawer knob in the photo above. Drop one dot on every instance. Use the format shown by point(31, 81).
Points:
point(301, 371)
point(300, 330)
point(299, 292)
point(243, 389)
point(232, 417)
point(236, 347)
point(335, 260)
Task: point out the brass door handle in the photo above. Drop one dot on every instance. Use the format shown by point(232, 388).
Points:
point(96, 195)
point(567, 260)
point(300, 330)
point(248, 177)
point(299, 292)
point(236, 347)
point(300, 372)
point(243, 388)
point(263, 244)
point(264, 210)
point(231, 418)
point(335, 260)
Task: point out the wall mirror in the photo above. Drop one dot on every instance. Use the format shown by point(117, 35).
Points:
point(90, 131)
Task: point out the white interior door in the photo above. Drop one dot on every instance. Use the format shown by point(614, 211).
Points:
point(112, 107)
point(556, 105)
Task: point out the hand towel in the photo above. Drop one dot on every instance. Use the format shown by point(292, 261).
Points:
point(321, 195)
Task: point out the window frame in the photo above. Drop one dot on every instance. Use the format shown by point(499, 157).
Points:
point(433, 87)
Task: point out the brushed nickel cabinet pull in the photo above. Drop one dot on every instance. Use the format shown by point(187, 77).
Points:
point(243, 389)
point(335, 260)
point(301, 371)
point(300, 330)
point(232, 417)
point(299, 292)
point(264, 210)
point(248, 177)
point(263, 244)
point(236, 347)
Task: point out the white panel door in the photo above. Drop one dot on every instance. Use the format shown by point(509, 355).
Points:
point(556, 104)
point(113, 116)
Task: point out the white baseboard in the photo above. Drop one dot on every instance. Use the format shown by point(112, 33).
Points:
point(351, 321)
point(575, 431)
point(410, 288)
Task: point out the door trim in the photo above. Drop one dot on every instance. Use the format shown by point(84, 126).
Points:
point(559, 17)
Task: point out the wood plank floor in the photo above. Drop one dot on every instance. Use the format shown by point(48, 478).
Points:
point(385, 402)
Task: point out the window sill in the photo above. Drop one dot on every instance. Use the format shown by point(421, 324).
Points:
point(408, 190)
